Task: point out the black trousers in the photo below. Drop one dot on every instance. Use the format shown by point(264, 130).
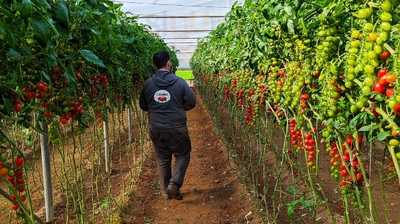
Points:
point(169, 142)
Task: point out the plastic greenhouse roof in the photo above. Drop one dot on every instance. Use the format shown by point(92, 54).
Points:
point(180, 22)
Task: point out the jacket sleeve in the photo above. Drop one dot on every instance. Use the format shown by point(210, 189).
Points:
point(189, 99)
point(142, 101)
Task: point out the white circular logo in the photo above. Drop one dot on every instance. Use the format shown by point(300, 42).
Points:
point(162, 96)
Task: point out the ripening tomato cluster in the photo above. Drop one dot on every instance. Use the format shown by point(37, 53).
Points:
point(335, 160)
point(310, 147)
point(16, 179)
point(304, 100)
point(349, 161)
point(295, 134)
point(385, 83)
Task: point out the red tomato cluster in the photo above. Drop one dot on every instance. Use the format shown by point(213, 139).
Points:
point(249, 115)
point(75, 110)
point(16, 179)
point(295, 134)
point(240, 98)
point(385, 83)
point(349, 161)
point(310, 146)
point(98, 82)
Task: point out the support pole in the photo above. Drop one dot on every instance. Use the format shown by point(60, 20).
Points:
point(47, 183)
point(106, 146)
point(129, 125)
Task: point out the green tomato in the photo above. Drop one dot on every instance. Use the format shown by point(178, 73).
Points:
point(398, 98)
point(369, 69)
point(360, 104)
point(378, 49)
point(385, 26)
point(384, 36)
point(353, 108)
point(353, 50)
point(368, 81)
point(351, 62)
point(363, 13)
point(375, 62)
point(355, 43)
point(386, 6)
point(351, 72)
point(355, 34)
point(368, 27)
point(386, 17)
point(394, 142)
point(392, 103)
point(366, 90)
point(348, 84)
point(372, 55)
point(359, 68)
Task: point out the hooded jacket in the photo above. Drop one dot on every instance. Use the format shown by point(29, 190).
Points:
point(166, 98)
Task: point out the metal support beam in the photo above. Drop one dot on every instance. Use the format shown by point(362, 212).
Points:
point(180, 17)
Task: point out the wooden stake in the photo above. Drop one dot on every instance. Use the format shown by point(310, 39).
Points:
point(106, 146)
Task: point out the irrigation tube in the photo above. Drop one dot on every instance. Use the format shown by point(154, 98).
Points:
point(47, 183)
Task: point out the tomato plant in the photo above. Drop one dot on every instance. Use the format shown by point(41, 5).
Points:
point(331, 64)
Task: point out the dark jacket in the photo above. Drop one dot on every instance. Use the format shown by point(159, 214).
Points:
point(167, 98)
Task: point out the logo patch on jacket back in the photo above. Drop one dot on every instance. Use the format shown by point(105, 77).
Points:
point(162, 96)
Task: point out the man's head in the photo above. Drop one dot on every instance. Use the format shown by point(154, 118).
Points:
point(162, 60)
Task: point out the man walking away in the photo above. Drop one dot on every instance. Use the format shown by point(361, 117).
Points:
point(166, 98)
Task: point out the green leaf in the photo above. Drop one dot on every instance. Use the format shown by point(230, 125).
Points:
point(62, 13)
point(41, 28)
point(43, 4)
point(383, 135)
point(91, 57)
point(26, 7)
point(13, 55)
point(70, 75)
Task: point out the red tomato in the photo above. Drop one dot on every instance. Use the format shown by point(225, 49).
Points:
point(349, 140)
point(396, 108)
point(17, 106)
point(305, 96)
point(384, 55)
point(389, 92)
point(382, 72)
point(42, 86)
point(15, 207)
point(344, 173)
point(19, 161)
point(379, 88)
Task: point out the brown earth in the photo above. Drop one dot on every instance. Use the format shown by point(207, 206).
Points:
point(212, 191)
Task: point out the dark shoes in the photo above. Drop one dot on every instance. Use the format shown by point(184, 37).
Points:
point(173, 192)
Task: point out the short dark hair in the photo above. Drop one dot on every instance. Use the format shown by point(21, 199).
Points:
point(160, 59)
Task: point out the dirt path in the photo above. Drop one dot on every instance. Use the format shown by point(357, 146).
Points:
point(212, 192)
